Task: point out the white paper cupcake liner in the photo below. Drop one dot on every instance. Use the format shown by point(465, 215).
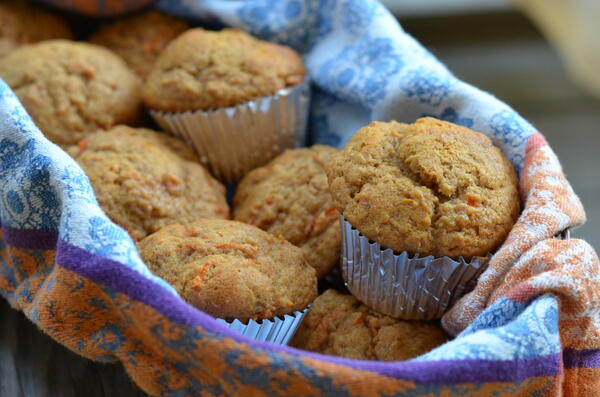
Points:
point(276, 330)
point(403, 287)
point(233, 141)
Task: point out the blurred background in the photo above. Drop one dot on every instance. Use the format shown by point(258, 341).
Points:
point(539, 56)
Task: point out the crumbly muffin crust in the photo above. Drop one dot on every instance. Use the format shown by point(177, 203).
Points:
point(145, 180)
point(22, 23)
point(140, 39)
point(72, 89)
point(230, 269)
point(290, 197)
point(338, 324)
point(432, 187)
point(202, 70)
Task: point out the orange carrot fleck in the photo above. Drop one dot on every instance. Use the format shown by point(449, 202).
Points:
point(248, 250)
point(331, 212)
point(82, 146)
point(201, 274)
point(472, 200)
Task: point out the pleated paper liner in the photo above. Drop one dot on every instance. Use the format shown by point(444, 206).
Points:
point(233, 141)
point(403, 287)
point(276, 330)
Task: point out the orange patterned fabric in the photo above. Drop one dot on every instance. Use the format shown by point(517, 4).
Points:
point(550, 206)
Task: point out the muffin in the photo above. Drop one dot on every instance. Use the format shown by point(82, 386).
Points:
point(231, 270)
point(72, 89)
point(338, 324)
point(145, 180)
point(431, 189)
point(290, 197)
point(239, 100)
point(205, 70)
point(140, 39)
point(22, 24)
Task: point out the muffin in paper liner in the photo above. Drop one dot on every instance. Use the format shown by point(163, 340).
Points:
point(275, 330)
point(402, 287)
point(233, 141)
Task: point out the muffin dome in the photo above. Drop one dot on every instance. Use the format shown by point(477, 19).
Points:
point(145, 180)
point(338, 324)
point(140, 39)
point(72, 89)
point(203, 70)
point(432, 188)
point(231, 270)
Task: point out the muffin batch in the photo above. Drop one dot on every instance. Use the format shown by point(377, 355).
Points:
point(410, 211)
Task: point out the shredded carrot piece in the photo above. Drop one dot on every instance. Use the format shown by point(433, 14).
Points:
point(82, 146)
point(248, 250)
point(201, 274)
point(331, 212)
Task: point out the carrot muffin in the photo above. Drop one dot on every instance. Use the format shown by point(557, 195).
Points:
point(231, 270)
point(140, 39)
point(145, 180)
point(338, 324)
point(290, 197)
point(203, 70)
point(22, 24)
point(72, 89)
point(432, 187)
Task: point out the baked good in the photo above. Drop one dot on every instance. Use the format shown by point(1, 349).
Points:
point(290, 197)
point(432, 187)
point(72, 89)
point(21, 24)
point(231, 270)
point(338, 324)
point(202, 70)
point(140, 39)
point(145, 180)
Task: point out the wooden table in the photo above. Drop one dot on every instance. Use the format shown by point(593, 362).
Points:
point(514, 63)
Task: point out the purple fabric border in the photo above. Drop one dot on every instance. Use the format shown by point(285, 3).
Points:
point(581, 358)
point(42, 239)
point(127, 281)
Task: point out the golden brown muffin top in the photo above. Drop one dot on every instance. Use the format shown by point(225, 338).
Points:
point(72, 89)
point(205, 70)
point(145, 180)
point(21, 23)
point(432, 187)
point(290, 197)
point(230, 269)
point(140, 39)
point(338, 324)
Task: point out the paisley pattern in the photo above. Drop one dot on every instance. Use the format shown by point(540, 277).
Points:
point(359, 72)
point(530, 326)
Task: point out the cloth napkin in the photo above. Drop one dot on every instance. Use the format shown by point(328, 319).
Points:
point(530, 327)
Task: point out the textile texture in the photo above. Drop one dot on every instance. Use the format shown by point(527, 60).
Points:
point(530, 327)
